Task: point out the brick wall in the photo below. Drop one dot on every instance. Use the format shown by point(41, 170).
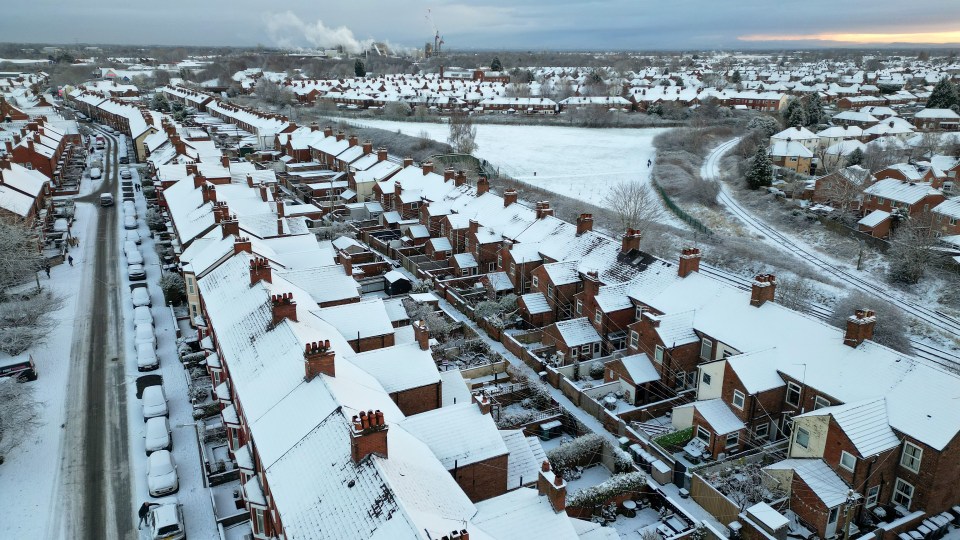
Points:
point(418, 400)
point(484, 479)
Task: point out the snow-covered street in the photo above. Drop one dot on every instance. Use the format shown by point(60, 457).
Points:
point(580, 163)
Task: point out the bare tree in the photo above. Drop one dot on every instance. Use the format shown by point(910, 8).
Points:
point(19, 414)
point(796, 294)
point(890, 325)
point(842, 193)
point(27, 321)
point(20, 255)
point(912, 253)
point(633, 203)
point(463, 134)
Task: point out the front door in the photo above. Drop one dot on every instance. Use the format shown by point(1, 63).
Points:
point(831, 529)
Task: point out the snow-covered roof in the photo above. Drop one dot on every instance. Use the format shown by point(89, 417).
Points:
point(718, 415)
point(535, 303)
point(399, 368)
point(902, 192)
point(949, 208)
point(524, 463)
point(819, 477)
point(874, 218)
point(577, 332)
point(640, 368)
point(865, 423)
point(522, 513)
point(363, 319)
point(457, 435)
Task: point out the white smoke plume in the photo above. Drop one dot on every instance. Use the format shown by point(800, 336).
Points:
point(289, 30)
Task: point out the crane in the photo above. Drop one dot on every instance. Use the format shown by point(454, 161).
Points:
point(437, 38)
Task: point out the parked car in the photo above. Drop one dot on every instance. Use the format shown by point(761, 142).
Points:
point(141, 297)
point(133, 236)
point(129, 208)
point(135, 272)
point(106, 199)
point(129, 222)
point(166, 522)
point(147, 359)
point(124, 160)
point(162, 474)
point(154, 402)
point(125, 173)
point(95, 173)
point(144, 333)
point(142, 315)
point(158, 435)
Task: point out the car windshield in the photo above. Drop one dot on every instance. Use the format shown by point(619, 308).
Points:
point(169, 529)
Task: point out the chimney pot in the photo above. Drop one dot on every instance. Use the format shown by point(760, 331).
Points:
point(509, 197)
point(407, 162)
point(860, 327)
point(584, 223)
point(427, 168)
point(763, 289)
point(689, 261)
point(631, 240)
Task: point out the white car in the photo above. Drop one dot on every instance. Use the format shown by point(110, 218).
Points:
point(129, 209)
point(166, 522)
point(147, 359)
point(158, 435)
point(144, 334)
point(142, 315)
point(126, 174)
point(141, 297)
point(134, 236)
point(95, 173)
point(154, 402)
point(134, 257)
point(135, 272)
point(129, 222)
point(162, 474)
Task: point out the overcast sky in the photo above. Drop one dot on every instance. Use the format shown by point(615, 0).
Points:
point(485, 24)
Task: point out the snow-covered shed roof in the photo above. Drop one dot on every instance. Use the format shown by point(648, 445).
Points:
point(718, 415)
point(536, 303)
point(640, 368)
point(363, 319)
point(865, 423)
point(819, 477)
point(577, 332)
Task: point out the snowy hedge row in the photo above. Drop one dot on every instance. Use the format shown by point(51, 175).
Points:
point(615, 486)
point(581, 451)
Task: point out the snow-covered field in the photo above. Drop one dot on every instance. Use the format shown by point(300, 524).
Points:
point(576, 162)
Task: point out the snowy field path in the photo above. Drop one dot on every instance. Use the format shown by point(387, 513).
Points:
point(581, 163)
point(839, 270)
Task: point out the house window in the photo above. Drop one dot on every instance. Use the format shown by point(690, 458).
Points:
point(911, 456)
point(658, 354)
point(733, 441)
point(902, 494)
point(549, 291)
point(579, 307)
point(259, 525)
point(727, 353)
point(414, 205)
point(598, 317)
point(793, 394)
point(491, 267)
point(596, 348)
point(680, 380)
point(703, 434)
point(803, 438)
point(880, 200)
point(820, 402)
point(634, 337)
point(638, 313)
point(535, 282)
point(499, 261)
point(873, 494)
point(953, 221)
point(706, 349)
point(464, 271)
point(585, 350)
point(234, 439)
point(574, 352)
point(847, 460)
point(691, 378)
point(738, 399)
point(762, 431)
point(706, 378)
point(513, 269)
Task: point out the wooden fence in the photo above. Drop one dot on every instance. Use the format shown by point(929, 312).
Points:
point(714, 502)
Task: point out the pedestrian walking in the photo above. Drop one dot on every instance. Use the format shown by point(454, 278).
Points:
point(46, 268)
point(144, 510)
point(70, 259)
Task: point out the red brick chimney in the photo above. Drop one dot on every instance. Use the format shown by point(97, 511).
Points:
point(860, 327)
point(5, 163)
point(229, 226)
point(225, 161)
point(591, 287)
point(460, 178)
point(422, 335)
point(179, 146)
point(263, 192)
point(279, 226)
point(543, 209)
point(381, 154)
point(407, 162)
point(249, 180)
point(328, 131)
point(260, 270)
point(368, 436)
point(763, 289)
point(367, 147)
point(220, 211)
point(30, 144)
point(191, 168)
point(242, 244)
point(199, 180)
point(347, 261)
point(448, 174)
point(509, 197)
point(209, 193)
point(631, 240)
point(474, 226)
point(397, 189)
point(689, 261)
point(584, 223)
point(352, 140)
point(483, 185)
point(483, 402)
point(553, 487)
point(314, 126)
point(284, 307)
point(318, 359)
point(9, 145)
point(341, 136)
point(427, 168)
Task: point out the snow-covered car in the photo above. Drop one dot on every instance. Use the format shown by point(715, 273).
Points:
point(154, 402)
point(129, 247)
point(134, 236)
point(166, 522)
point(129, 222)
point(141, 297)
point(162, 474)
point(106, 199)
point(147, 359)
point(158, 435)
point(144, 333)
point(136, 272)
point(95, 173)
point(125, 173)
point(129, 208)
point(142, 315)
point(134, 257)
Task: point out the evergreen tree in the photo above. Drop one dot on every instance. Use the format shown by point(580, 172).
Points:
point(735, 78)
point(496, 65)
point(359, 69)
point(794, 115)
point(855, 158)
point(761, 169)
point(814, 110)
point(943, 96)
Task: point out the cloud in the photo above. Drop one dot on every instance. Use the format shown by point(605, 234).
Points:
point(288, 30)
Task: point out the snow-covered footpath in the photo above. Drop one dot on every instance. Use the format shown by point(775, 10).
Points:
point(28, 478)
point(581, 163)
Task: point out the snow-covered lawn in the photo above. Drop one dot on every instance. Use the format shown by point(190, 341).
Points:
point(29, 474)
point(576, 162)
point(591, 476)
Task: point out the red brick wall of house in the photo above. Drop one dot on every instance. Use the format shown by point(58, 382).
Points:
point(868, 472)
point(418, 400)
point(870, 203)
point(484, 479)
point(371, 343)
point(809, 508)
